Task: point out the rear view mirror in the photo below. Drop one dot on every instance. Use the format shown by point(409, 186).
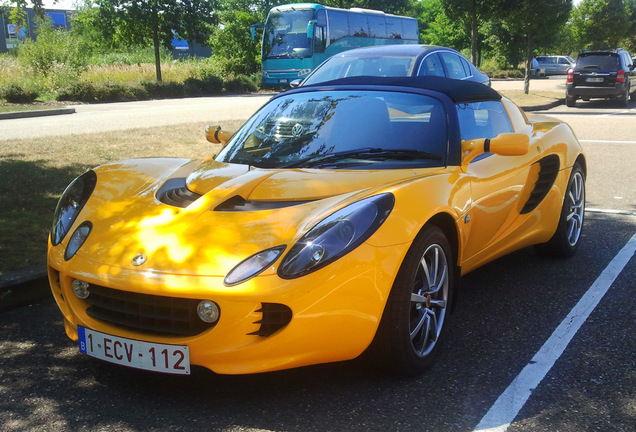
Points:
point(311, 25)
point(509, 144)
point(505, 144)
point(215, 135)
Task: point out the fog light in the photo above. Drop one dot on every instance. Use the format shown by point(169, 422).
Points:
point(80, 289)
point(208, 311)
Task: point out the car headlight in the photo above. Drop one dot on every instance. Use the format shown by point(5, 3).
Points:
point(77, 239)
point(253, 266)
point(336, 235)
point(303, 72)
point(70, 204)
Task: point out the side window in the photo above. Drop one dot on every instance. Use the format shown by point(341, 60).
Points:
point(431, 66)
point(338, 26)
point(409, 27)
point(377, 26)
point(320, 35)
point(358, 25)
point(453, 65)
point(482, 120)
point(467, 68)
point(394, 28)
point(563, 61)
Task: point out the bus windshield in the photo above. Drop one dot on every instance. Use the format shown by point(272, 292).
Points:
point(285, 34)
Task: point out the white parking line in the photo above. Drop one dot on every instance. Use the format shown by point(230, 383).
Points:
point(508, 405)
point(610, 211)
point(607, 141)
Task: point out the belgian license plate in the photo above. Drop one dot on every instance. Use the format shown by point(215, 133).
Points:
point(594, 80)
point(282, 81)
point(172, 359)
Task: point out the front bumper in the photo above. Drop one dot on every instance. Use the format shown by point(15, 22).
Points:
point(335, 311)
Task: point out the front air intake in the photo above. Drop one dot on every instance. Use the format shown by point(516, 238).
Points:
point(275, 316)
point(175, 193)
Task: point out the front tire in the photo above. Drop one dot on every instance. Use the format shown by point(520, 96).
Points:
point(565, 240)
point(416, 314)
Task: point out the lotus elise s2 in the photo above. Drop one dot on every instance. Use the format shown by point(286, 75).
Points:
point(336, 221)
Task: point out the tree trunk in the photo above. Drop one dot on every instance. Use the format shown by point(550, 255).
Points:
point(526, 80)
point(473, 38)
point(155, 40)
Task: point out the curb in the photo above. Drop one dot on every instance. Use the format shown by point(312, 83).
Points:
point(23, 287)
point(36, 113)
point(543, 107)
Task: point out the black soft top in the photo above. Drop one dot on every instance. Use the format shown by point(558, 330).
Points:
point(459, 91)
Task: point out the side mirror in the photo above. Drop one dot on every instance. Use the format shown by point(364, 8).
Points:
point(505, 144)
point(311, 26)
point(215, 135)
point(295, 83)
point(253, 29)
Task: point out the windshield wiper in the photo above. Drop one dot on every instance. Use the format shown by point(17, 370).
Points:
point(368, 153)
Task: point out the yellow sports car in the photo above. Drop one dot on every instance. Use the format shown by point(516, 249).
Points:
point(338, 219)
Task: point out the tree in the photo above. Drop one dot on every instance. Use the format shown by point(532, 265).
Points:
point(471, 14)
point(601, 24)
point(157, 22)
point(436, 28)
point(536, 20)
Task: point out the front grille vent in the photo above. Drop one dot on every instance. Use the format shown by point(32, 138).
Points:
point(175, 193)
point(159, 315)
point(275, 317)
point(547, 175)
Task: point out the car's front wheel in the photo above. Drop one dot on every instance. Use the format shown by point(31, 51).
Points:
point(566, 239)
point(417, 311)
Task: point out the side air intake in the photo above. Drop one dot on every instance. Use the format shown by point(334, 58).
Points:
point(547, 175)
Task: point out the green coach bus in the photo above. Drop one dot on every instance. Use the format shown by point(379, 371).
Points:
point(299, 37)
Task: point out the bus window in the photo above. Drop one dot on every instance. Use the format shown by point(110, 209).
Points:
point(338, 26)
point(377, 26)
point(320, 35)
point(394, 28)
point(409, 28)
point(358, 25)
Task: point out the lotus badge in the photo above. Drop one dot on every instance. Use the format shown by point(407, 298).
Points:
point(139, 259)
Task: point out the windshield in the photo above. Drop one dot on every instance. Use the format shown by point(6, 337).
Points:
point(343, 129)
point(285, 34)
point(349, 66)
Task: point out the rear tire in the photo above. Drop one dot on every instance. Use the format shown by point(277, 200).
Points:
point(565, 240)
point(416, 314)
point(570, 100)
point(623, 100)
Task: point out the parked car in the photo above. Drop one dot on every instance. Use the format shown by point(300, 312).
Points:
point(397, 61)
point(337, 220)
point(554, 64)
point(602, 74)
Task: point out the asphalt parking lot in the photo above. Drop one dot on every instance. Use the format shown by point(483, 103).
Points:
point(517, 326)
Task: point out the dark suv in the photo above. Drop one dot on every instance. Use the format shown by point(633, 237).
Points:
point(601, 74)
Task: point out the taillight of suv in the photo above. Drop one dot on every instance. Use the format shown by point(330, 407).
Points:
point(570, 75)
point(620, 76)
